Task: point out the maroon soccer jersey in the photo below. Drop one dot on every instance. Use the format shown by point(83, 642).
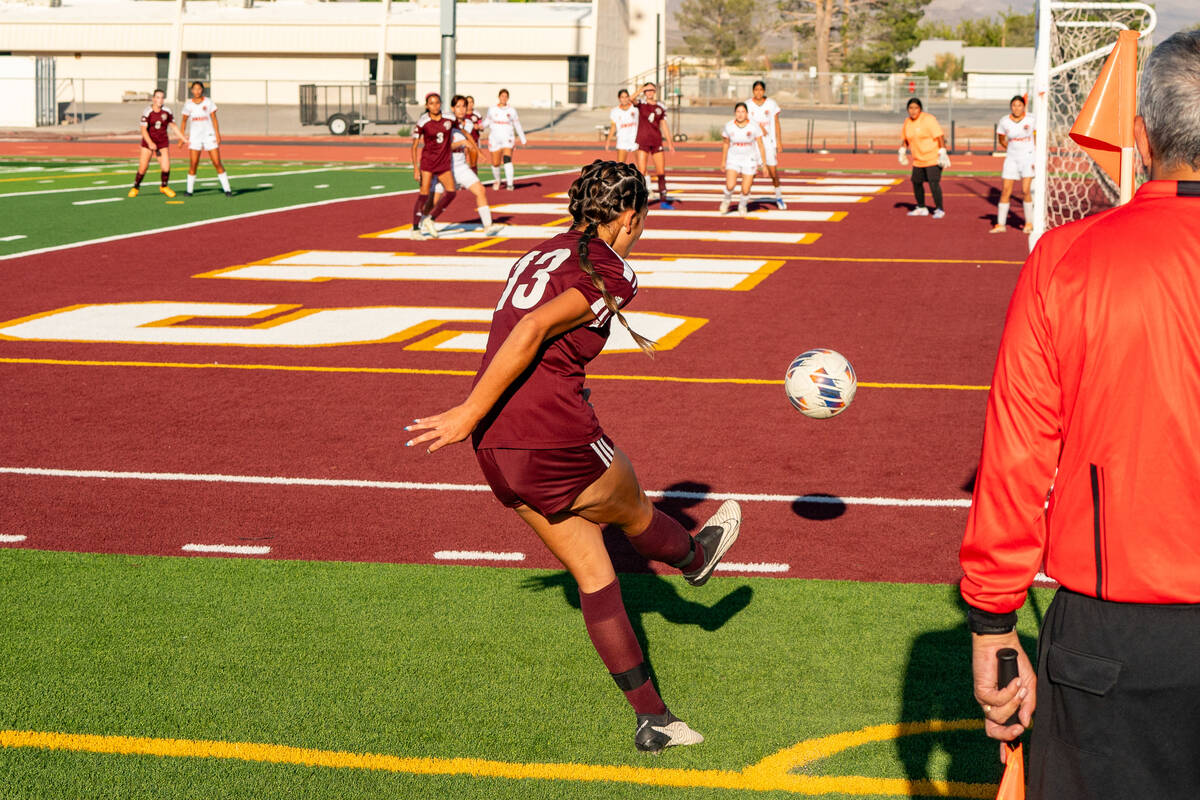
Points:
point(649, 132)
point(156, 123)
point(476, 121)
point(436, 154)
point(545, 408)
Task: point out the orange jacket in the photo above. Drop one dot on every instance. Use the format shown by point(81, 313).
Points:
point(1096, 393)
point(921, 136)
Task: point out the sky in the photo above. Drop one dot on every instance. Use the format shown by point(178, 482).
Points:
point(1173, 15)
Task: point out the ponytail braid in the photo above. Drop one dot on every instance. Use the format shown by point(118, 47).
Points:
point(602, 191)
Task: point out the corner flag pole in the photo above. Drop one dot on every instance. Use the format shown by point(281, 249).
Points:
point(449, 22)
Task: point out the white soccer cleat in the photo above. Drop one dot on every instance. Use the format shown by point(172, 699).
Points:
point(998, 229)
point(657, 732)
point(415, 233)
point(725, 206)
point(782, 206)
point(493, 229)
point(429, 228)
point(939, 213)
point(716, 537)
point(919, 211)
point(742, 209)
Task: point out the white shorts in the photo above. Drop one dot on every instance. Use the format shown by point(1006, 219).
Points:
point(627, 142)
point(500, 141)
point(464, 176)
point(742, 165)
point(1017, 167)
point(772, 156)
point(202, 140)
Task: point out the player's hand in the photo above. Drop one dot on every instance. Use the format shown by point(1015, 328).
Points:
point(779, 148)
point(606, 147)
point(417, 175)
point(442, 429)
point(943, 158)
point(1018, 697)
point(904, 156)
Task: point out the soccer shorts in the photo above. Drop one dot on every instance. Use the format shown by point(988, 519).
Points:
point(202, 141)
point(500, 140)
point(548, 481)
point(743, 165)
point(628, 143)
point(1017, 167)
point(464, 176)
point(772, 154)
point(157, 148)
point(650, 148)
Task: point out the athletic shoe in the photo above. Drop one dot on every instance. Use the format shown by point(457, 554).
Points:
point(511, 187)
point(188, 194)
point(742, 208)
point(495, 186)
point(780, 204)
point(938, 213)
point(133, 192)
point(493, 229)
point(998, 229)
point(716, 537)
point(725, 206)
point(229, 194)
point(919, 211)
point(429, 228)
point(656, 732)
point(1028, 228)
point(415, 233)
point(167, 190)
point(666, 205)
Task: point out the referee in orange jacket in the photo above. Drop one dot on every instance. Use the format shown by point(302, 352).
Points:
point(1095, 407)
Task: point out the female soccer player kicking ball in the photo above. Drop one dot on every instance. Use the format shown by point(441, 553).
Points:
point(1016, 137)
point(541, 447)
point(504, 127)
point(200, 115)
point(432, 135)
point(743, 153)
point(157, 121)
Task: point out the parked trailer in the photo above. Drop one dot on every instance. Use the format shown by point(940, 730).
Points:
point(346, 108)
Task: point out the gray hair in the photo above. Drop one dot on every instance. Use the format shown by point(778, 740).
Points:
point(1169, 100)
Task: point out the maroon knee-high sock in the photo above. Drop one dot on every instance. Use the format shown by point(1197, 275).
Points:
point(418, 207)
point(446, 199)
point(137, 181)
point(662, 184)
point(665, 540)
point(608, 626)
point(166, 177)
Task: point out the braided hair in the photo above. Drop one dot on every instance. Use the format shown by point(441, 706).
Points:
point(602, 191)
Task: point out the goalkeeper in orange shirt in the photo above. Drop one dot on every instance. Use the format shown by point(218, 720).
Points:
point(924, 137)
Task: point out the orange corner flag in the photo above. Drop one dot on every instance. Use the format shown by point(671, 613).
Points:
point(1012, 785)
point(1105, 125)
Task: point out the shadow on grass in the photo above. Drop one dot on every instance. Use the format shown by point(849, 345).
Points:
point(937, 685)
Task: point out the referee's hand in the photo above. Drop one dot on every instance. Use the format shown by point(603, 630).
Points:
point(999, 705)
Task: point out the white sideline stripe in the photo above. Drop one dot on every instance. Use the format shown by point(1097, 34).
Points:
point(757, 566)
point(247, 215)
point(716, 197)
point(321, 186)
point(11, 538)
point(910, 502)
point(101, 200)
point(475, 230)
point(476, 555)
point(788, 191)
point(206, 180)
point(560, 209)
point(235, 549)
point(12, 238)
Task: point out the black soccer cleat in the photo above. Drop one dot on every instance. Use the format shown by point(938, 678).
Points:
point(229, 194)
point(656, 732)
point(717, 536)
point(188, 194)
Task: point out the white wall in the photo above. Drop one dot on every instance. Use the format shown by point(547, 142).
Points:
point(104, 78)
point(18, 92)
point(983, 86)
point(609, 66)
point(277, 79)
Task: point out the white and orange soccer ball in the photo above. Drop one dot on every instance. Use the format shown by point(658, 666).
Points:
point(820, 383)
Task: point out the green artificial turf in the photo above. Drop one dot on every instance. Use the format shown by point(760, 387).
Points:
point(452, 661)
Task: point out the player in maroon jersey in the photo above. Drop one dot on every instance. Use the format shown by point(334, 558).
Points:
point(157, 122)
point(432, 135)
point(476, 121)
point(652, 132)
point(541, 448)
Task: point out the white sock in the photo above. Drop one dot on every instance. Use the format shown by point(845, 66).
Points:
point(224, 179)
point(742, 200)
point(496, 175)
point(508, 173)
point(778, 192)
point(728, 194)
point(191, 183)
point(649, 186)
point(1001, 213)
point(1028, 213)
point(485, 216)
point(437, 187)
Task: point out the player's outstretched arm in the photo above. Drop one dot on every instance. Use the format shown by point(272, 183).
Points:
point(179, 133)
point(516, 122)
point(416, 164)
point(666, 134)
point(216, 127)
point(565, 312)
point(778, 135)
point(762, 156)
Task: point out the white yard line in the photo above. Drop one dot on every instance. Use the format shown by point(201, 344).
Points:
point(12, 238)
point(476, 555)
point(101, 200)
point(11, 538)
point(757, 566)
point(275, 480)
point(231, 549)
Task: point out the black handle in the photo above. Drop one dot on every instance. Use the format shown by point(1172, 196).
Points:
point(1006, 670)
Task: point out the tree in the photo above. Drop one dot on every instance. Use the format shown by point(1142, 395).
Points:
point(720, 29)
point(1007, 29)
point(946, 67)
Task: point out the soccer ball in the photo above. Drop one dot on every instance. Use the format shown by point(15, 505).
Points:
point(820, 383)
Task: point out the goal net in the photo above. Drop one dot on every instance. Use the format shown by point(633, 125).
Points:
point(1074, 39)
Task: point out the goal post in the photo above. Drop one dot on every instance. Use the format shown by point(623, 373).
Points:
point(1073, 40)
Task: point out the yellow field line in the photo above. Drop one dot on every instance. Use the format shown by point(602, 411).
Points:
point(460, 372)
point(772, 774)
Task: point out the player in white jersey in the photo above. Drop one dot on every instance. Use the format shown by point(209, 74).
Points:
point(624, 127)
point(203, 133)
point(764, 112)
point(463, 144)
point(1016, 131)
point(743, 153)
point(504, 128)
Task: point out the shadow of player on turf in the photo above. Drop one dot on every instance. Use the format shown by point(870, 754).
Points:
point(937, 685)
